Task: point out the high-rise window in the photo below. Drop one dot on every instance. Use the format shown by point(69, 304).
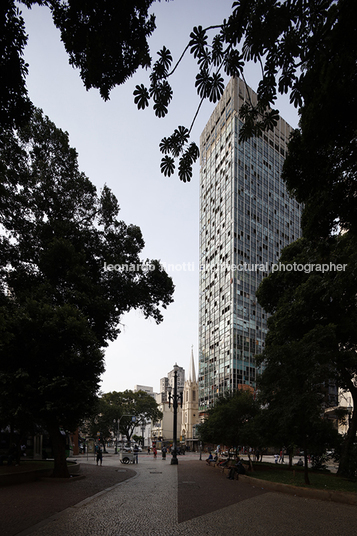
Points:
point(246, 218)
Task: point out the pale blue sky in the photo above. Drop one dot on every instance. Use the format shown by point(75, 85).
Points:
point(118, 145)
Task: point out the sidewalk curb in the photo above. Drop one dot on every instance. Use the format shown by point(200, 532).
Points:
point(8, 479)
point(342, 497)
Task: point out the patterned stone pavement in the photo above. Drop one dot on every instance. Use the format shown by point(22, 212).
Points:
point(192, 499)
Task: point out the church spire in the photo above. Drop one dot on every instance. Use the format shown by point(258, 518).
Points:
point(192, 372)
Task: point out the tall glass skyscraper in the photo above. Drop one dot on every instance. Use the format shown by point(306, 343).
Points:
point(246, 218)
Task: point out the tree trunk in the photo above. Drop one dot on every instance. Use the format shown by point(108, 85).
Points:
point(251, 468)
point(58, 441)
point(306, 469)
point(306, 466)
point(343, 468)
point(14, 447)
point(290, 452)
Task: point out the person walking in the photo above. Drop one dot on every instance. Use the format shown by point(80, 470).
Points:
point(136, 454)
point(99, 454)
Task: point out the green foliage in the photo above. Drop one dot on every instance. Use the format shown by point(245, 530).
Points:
point(230, 421)
point(312, 338)
point(198, 42)
point(141, 97)
point(319, 480)
point(122, 406)
point(321, 169)
point(306, 50)
point(138, 439)
point(176, 144)
point(107, 41)
point(60, 303)
point(167, 166)
point(293, 390)
point(15, 106)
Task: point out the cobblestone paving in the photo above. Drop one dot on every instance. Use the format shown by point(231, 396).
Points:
point(193, 499)
point(24, 505)
point(145, 505)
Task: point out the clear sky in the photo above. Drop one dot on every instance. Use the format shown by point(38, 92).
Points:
point(118, 146)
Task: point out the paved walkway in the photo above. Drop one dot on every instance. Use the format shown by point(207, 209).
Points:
point(190, 499)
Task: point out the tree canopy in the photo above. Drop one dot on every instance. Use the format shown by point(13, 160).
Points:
point(116, 410)
point(304, 49)
point(229, 422)
point(107, 41)
point(15, 105)
point(60, 304)
point(311, 341)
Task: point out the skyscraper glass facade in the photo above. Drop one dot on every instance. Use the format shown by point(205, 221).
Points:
point(246, 218)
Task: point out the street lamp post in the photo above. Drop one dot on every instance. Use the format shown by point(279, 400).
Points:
point(143, 426)
point(117, 435)
point(176, 398)
point(118, 421)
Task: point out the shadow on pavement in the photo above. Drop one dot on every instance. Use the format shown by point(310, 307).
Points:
point(202, 490)
point(25, 505)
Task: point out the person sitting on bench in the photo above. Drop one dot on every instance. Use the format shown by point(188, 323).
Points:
point(237, 468)
point(211, 459)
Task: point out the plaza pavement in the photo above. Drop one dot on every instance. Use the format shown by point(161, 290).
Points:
point(158, 498)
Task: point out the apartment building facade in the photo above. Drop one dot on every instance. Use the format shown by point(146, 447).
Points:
point(246, 219)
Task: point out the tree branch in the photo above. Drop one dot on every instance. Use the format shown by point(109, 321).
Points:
point(188, 46)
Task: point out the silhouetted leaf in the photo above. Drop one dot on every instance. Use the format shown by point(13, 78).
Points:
point(203, 83)
point(194, 151)
point(185, 169)
point(167, 166)
point(271, 119)
point(267, 90)
point(198, 41)
point(141, 97)
point(216, 87)
point(286, 80)
point(161, 92)
point(165, 57)
point(158, 73)
point(181, 134)
point(233, 63)
point(160, 109)
point(217, 49)
point(296, 97)
point(165, 145)
point(205, 59)
point(175, 146)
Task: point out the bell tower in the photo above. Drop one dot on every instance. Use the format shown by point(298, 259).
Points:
point(190, 415)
